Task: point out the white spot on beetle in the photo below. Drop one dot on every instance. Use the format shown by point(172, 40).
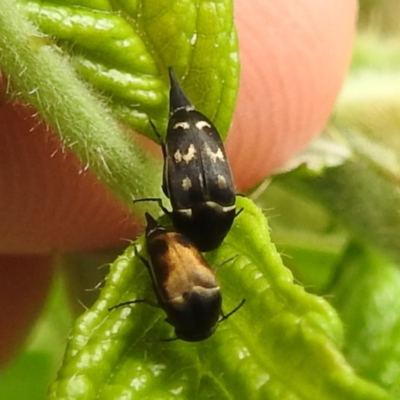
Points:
point(183, 125)
point(221, 182)
point(186, 183)
point(178, 156)
point(187, 108)
point(189, 156)
point(218, 208)
point(202, 124)
point(187, 212)
point(218, 155)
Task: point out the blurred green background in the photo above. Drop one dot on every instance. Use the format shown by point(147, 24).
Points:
point(334, 216)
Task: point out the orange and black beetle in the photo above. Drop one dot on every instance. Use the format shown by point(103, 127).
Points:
point(185, 285)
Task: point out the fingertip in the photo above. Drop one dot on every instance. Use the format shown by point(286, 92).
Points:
point(294, 56)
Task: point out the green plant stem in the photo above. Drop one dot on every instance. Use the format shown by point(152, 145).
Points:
point(44, 79)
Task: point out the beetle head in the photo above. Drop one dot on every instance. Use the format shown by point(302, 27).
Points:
point(195, 314)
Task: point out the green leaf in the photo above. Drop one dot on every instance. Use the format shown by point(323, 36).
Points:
point(123, 49)
point(366, 294)
point(282, 344)
point(363, 198)
point(374, 52)
point(309, 237)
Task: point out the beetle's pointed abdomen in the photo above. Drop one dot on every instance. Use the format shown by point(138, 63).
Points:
point(177, 99)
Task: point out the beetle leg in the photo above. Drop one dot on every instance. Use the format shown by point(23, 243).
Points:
point(157, 199)
point(127, 303)
point(226, 316)
point(239, 212)
point(159, 137)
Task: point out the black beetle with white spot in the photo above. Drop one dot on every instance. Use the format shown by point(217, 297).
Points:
point(197, 177)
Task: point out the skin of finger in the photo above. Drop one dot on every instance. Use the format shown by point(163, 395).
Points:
point(25, 281)
point(48, 200)
point(294, 56)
